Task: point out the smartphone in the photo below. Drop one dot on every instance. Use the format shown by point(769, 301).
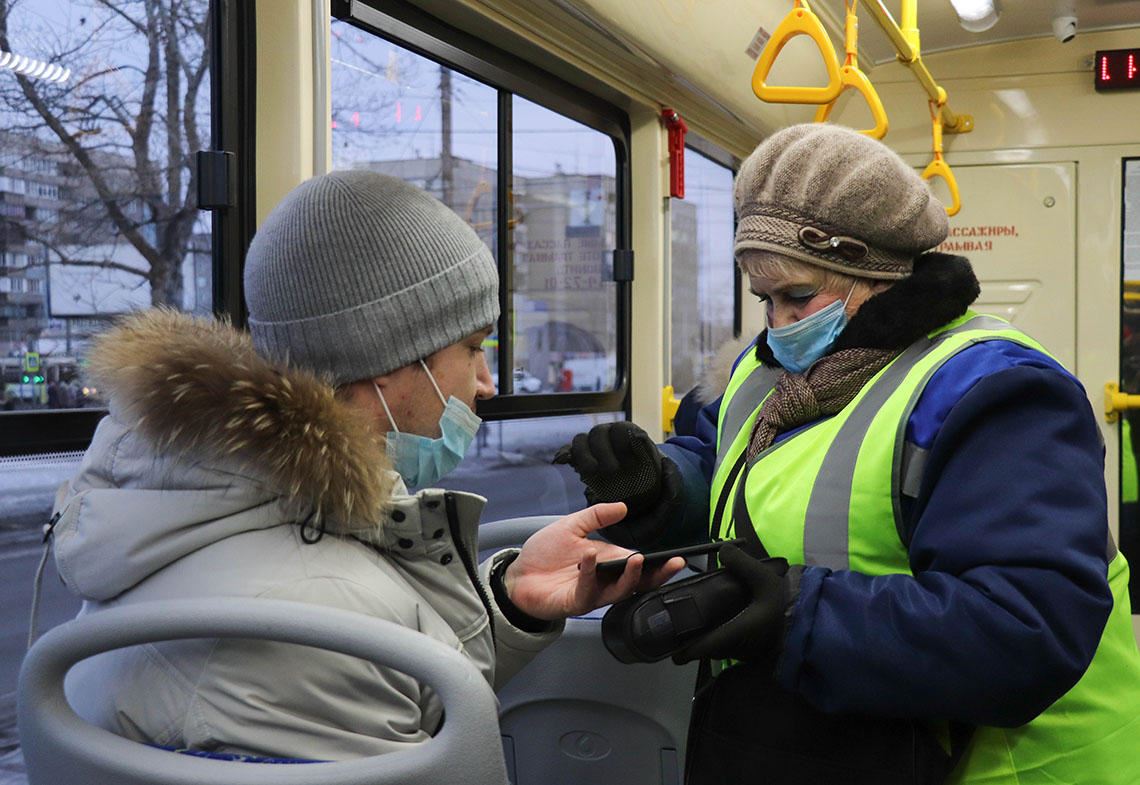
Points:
point(655, 558)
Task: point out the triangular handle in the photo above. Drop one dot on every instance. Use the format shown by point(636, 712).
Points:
point(854, 79)
point(939, 168)
point(800, 21)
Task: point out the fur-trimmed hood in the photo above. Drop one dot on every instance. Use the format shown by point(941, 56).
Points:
point(195, 387)
point(205, 440)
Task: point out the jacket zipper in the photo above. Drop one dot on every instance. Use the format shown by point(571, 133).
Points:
point(465, 557)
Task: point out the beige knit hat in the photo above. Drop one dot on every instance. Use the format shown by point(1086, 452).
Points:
point(836, 198)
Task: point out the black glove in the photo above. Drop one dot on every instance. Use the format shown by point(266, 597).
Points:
point(755, 634)
point(618, 462)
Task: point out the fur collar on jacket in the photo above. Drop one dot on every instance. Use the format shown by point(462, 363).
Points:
point(939, 290)
point(196, 387)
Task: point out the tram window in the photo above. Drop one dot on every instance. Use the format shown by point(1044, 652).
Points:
point(565, 222)
point(702, 263)
point(510, 464)
point(402, 113)
point(412, 115)
point(95, 173)
point(1130, 374)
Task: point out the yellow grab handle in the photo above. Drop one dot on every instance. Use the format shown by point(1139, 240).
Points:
point(1116, 401)
point(939, 168)
point(854, 79)
point(669, 406)
point(801, 21)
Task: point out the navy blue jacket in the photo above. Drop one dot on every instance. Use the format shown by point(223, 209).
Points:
point(1008, 546)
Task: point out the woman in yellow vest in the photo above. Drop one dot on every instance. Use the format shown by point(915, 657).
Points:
point(928, 483)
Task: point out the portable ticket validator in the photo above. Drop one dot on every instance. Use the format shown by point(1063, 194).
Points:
point(649, 627)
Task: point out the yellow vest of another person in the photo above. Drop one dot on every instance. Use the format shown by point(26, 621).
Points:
point(829, 496)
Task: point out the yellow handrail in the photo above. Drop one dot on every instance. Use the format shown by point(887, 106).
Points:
point(800, 21)
point(854, 79)
point(670, 403)
point(1116, 402)
point(906, 43)
point(938, 167)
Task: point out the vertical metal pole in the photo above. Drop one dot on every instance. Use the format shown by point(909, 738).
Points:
point(909, 24)
point(321, 89)
point(506, 246)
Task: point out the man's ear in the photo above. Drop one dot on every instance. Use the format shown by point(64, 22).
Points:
point(383, 381)
point(362, 392)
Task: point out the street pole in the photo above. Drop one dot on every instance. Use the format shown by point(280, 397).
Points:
point(446, 162)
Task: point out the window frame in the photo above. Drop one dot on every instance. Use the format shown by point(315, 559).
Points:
point(717, 155)
point(411, 28)
point(1120, 303)
point(232, 101)
point(1120, 357)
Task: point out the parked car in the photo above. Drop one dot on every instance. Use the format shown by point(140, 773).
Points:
point(524, 382)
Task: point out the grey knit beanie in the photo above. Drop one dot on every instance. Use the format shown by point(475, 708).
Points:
point(355, 274)
point(836, 198)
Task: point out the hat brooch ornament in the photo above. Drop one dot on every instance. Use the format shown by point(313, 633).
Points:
point(818, 240)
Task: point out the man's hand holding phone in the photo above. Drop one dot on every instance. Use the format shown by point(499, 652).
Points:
point(556, 576)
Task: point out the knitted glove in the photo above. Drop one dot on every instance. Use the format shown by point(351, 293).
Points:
point(618, 462)
point(756, 633)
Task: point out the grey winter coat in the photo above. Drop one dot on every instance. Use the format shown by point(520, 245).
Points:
point(196, 486)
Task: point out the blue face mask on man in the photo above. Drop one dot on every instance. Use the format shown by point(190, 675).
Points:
point(798, 345)
point(421, 461)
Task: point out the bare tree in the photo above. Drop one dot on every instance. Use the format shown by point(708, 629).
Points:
point(123, 129)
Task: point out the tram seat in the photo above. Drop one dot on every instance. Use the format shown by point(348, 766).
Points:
point(575, 714)
point(60, 747)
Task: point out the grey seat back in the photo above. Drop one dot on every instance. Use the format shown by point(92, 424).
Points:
point(60, 747)
point(576, 715)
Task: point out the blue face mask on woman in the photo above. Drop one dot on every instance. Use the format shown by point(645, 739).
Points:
point(798, 345)
point(421, 461)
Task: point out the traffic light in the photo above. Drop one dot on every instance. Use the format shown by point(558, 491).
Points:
point(32, 378)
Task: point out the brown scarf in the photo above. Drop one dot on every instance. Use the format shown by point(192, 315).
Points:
point(829, 385)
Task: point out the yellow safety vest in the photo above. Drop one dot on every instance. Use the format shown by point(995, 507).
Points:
point(1128, 476)
point(829, 496)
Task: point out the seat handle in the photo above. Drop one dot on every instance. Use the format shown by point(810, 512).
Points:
point(58, 744)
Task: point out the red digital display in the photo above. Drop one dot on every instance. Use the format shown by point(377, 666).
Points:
point(1117, 69)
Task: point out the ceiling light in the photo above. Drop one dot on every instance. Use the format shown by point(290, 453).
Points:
point(976, 15)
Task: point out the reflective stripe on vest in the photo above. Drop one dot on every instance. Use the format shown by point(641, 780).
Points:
point(825, 536)
point(743, 404)
point(852, 468)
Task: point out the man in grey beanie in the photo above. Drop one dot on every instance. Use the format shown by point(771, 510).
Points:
point(922, 493)
point(277, 464)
